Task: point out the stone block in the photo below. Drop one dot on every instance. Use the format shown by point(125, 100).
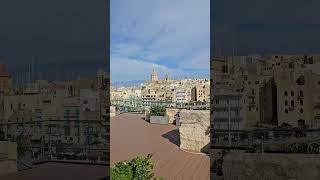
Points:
point(194, 136)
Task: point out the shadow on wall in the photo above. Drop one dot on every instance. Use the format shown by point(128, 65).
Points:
point(206, 149)
point(173, 136)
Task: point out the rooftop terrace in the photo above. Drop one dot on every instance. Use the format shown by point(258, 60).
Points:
point(131, 136)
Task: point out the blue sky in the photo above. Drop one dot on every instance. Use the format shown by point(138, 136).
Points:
point(172, 36)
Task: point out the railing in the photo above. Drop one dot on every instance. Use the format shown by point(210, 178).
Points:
point(273, 140)
point(48, 143)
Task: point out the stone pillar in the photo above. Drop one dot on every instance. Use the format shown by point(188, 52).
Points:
point(147, 113)
point(171, 113)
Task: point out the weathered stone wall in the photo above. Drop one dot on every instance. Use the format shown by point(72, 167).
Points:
point(112, 111)
point(171, 112)
point(8, 157)
point(249, 166)
point(194, 136)
point(159, 119)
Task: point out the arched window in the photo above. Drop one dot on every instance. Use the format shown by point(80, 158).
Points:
point(301, 93)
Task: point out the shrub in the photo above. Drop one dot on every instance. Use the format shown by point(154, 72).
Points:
point(139, 168)
point(157, 110)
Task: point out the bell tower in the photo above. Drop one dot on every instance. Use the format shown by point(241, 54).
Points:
point(154, 76)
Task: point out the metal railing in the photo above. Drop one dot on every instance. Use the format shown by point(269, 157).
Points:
point(272, 140)
point(47, 142)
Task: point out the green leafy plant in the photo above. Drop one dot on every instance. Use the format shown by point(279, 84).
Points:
point(158, 110)
point(138, 168)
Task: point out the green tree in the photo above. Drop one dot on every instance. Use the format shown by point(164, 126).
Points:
point(158, 110)
point(138, 168)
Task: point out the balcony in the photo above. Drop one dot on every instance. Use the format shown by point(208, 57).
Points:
point(316, 105)
point(300, 96)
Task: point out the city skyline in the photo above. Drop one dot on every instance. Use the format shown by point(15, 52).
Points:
point(145, 36)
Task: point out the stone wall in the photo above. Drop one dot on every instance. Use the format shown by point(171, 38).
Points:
point(159, 119)
point(8, 157)
point(171, 112)
point(249, 166)
point(194, 135)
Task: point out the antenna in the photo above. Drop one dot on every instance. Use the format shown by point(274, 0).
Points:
point(32, 69)
point(29, 72)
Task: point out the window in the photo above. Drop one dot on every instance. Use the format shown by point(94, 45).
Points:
point(301, 102)
point(286, 93)
point(286, 111)
point(292, 94)
point(301, 93)
point(292, 103)
point(286, 102)
point(301, 110)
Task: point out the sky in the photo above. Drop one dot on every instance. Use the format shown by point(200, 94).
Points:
point(64, 36)
point(264, 26)
point(171, 36)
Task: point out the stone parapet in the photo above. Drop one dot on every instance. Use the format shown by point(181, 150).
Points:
point(194, 134)
point(251, 166)
point(8, 157)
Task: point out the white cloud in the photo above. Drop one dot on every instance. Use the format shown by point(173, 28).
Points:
point(166, 30)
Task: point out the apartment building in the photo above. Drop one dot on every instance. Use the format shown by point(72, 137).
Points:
point(201, 92)
point(69, 112)
point(275, 89)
